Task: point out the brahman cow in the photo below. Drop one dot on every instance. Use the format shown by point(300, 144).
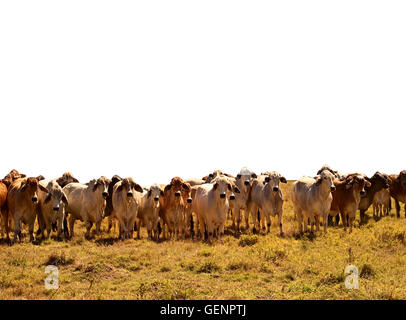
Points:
point(266, 196)
point(126, 200)
point(66, 178)
point(312, 199)
point(378, 182)
point(22, 202)
point(347, 196)
point(148, 211)
point(398, 190)
point(3, 207)
point(173, 206)
point(51, 207)
point(216, 173)
point(381, 203)
point(86, 202)
point(14, 175)
point(243, 182)
point(211, 204)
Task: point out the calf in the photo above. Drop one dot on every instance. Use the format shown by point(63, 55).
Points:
point(398, 190)
point(381, 203)
point(312, 199)
point(86, 202)
point(266, 196)
point(148, 211)
point(109, 201)
point(378, 182)
point(172, 207)
point(22, 202)
point(347, 196)
point(51, 207)
point(126, 201)
point(211, 204)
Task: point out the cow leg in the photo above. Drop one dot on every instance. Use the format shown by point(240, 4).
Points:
point(299, 218)
point(312, 221)
point(325, 222)
point(280, 223)
point(397, 206)
point(247, 216)
point(31, 228)
point(317, 222)
point(238, 218)
point(17, 228)
point(98, 225)
point(4, 214)
point(350, 222)
point(89, 226)
point(344, 219)
point(60, 231)
point(71, 225)
point(110, 223)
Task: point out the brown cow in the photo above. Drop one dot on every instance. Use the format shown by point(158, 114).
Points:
point(173, 206)
point(397, 190)
point(14, 175)
point(347, 196)
point(22, 201)
point(3, 208)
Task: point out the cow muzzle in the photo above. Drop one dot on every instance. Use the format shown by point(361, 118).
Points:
point(362, 192)
point(156, 199)
point(246, 182)
point(333, 188)
point(232, 197)
point(189, 200)
point(105, 194)
point(34, 199)
point(222, 195)
point(275, 189)
point(177, 194)
point(55, 208)
point(386, 186)
point(129, 194)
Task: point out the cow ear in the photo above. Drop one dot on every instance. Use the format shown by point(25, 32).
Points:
point(120, 187)
point(47, 198)
point(236, 190)
point(254, 176)
point(185, 187)
point(318, 181)
point(367, 183)
point(283, 180)
point(167, 187)
point(215, 186)
point(149, 193)
point(238, 176)
point(23, 185)
point(42, 188)
point(266, 180)
point(137, 187)
point(229, 186)
point(161, 193)
point(204, 178)
point(64, 199)
point(95, 186)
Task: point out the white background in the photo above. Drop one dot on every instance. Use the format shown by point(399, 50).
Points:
point(156, 89)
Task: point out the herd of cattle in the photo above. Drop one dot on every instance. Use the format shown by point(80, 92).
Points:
point(193, 207)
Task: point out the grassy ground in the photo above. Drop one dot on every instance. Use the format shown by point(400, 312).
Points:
point(245, 267)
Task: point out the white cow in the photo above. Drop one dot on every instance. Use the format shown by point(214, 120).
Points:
point(312, 197)
point(266, 196)
point(86, 202)
point(211, 204)
point(148, 211)
point(126, 200)
point(51, 208)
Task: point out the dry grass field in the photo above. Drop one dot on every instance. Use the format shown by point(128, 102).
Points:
point(243, 267)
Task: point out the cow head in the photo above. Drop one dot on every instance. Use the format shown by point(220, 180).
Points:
point(378, 181)
point(402, 178)
point(56, 196)
point(101, 185)
point(357, 182)
point(174, 189)
point(31, 186)
point(224, 188)
point(273, 179)
point(214, 175)
point(326, 179)
point(14, 175)
point(66, 178)
point(245, 177)
point(153, 193)
point(129, 186)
